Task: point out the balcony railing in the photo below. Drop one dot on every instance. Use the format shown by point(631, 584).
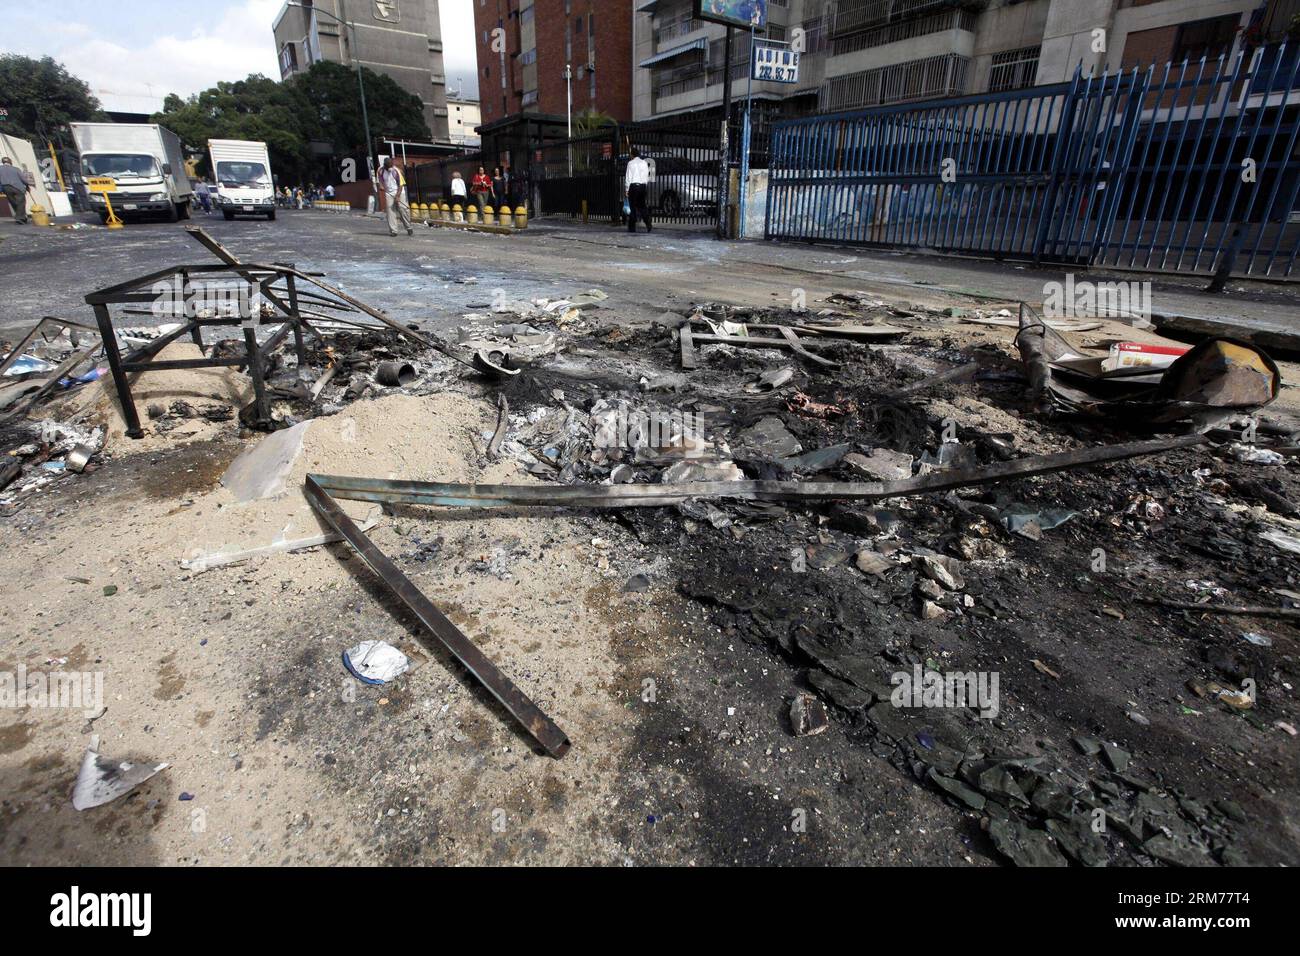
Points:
point(851, 16)
point(933, 77)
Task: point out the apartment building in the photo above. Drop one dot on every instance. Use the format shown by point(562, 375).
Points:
point(400, 38)
point(863, 53)
point(525, 47)
point(463, 120)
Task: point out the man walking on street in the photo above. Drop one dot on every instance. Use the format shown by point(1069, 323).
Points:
point(15, 187)
point(637, 184)
point(393, 184)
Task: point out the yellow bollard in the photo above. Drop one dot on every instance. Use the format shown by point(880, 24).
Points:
point(489, 216)
point(38, 215)
point(507, 217)
point(521, 218)
point(421, 212)
point(457, 214)
point(472, 215)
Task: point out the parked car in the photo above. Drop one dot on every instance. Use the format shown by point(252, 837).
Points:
point(679, 184)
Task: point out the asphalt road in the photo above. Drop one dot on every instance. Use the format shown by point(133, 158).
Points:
point(438, 275)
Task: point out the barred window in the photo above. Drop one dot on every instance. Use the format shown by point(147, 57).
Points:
point(1014, 69)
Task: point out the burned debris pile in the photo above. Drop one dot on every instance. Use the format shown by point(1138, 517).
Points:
point(1049, 575)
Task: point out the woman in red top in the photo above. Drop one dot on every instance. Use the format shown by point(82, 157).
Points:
point(481, 187)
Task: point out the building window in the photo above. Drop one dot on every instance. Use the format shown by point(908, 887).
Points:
point(815, 39)
point(936, 76)
point(1206, 38)
point(903, 30)
point(1014, 69)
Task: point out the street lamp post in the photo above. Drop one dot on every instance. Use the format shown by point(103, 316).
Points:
point(568, 83)
point(356, 59)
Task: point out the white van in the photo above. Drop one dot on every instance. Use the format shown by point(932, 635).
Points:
point(242, 170)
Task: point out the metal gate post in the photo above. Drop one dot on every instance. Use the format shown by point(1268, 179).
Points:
point(1064, 137)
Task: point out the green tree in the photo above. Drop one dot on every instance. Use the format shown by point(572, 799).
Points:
point(332, 90)
point(590, 120)
point(320, 106)
point(255, 109)
point(42, 97)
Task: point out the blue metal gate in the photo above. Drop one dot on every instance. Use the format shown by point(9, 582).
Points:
point(1191, 171)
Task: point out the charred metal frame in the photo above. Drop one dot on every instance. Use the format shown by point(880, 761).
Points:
point(259, 282)
point(276, 283)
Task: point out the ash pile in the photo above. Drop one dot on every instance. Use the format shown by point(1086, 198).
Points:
point(1054, 581)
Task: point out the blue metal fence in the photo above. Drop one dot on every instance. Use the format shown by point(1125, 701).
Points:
point(1191, 170)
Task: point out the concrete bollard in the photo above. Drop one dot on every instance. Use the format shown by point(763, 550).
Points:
point(489, 216)
point(521, 218)
point(457, 214)
point(507, 217)
point(472, 215)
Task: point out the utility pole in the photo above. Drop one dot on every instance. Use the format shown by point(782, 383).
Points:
point(354, 51)
point(568, 82)
point(724, 171)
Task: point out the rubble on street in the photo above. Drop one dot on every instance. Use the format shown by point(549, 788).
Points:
point(1063, 608)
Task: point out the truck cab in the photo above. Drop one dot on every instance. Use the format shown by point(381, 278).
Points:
point(242, 171)
point(144, 161)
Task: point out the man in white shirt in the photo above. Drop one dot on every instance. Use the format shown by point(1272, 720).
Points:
point(393, 183)
point(637, 183)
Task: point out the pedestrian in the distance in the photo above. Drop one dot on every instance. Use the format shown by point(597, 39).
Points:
point(637, 186)
point(481, 187)
point(393, 183)
point(458, 189)
point(329, 190)
point(15, 187)
point(500, 187)
point(204, 197)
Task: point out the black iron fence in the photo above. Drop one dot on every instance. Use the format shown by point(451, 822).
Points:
point(585, 176)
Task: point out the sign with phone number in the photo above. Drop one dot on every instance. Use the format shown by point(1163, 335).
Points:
point(774, 64)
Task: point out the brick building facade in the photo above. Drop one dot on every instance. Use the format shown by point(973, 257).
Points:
point(521, 68)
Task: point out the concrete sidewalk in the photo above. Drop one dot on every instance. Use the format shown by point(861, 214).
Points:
point(1269, 312)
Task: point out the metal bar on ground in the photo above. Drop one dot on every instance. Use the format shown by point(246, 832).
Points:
point(540, 727)
point(650, 496)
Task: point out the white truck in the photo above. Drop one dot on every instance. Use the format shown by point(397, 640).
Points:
point(242, 171)
point(146, 162)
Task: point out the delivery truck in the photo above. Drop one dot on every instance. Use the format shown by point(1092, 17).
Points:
point(242, 171)
point(146, 163)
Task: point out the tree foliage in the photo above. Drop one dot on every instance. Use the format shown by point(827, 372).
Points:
point(42, 97)
point(319, 106)
point(255, 109)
